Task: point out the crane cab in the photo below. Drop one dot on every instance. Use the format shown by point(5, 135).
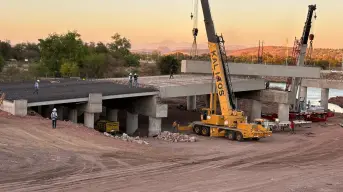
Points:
point(208, 116)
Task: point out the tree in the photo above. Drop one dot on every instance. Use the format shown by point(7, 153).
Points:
point(101, 48)
point(57, 49)
point(132, 60)
point(94, 65)
point(166, 63)
point(6, 50)
point(39, 69)
point(69, 69)
point(2, 63)
point(120, 44)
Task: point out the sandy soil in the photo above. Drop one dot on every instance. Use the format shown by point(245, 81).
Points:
point(35, 157)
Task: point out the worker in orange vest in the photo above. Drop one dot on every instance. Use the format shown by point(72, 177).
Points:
point(176, 126)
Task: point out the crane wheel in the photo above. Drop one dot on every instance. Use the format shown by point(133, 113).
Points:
point(239, 136)
point(231, 135)
point(197, 129)
point(205, 131)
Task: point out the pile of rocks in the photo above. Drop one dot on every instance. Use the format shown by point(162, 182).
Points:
point(127, 138)
point(176, 137)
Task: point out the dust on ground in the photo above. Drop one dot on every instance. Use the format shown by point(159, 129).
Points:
point(35, 157)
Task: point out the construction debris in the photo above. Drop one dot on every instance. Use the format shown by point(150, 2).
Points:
point(176, 137)
point(127, 138)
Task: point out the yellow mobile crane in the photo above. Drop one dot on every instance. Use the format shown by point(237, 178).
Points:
point(231, 122)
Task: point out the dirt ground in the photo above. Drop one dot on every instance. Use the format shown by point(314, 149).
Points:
point(34, 157)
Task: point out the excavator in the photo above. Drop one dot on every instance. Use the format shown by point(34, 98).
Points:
point(230, 122)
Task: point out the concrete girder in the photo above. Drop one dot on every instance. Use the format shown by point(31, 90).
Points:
point(204, 67)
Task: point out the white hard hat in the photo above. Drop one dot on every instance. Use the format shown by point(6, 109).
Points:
point(135, 73)
point(130, 73)
point(37, 80)
point(54, 110)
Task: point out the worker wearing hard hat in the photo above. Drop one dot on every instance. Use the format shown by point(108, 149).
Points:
point(54, 118)
point(130, 79)
point(135, 80)
point(36, 87)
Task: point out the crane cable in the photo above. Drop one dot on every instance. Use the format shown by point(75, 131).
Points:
point(312, 33)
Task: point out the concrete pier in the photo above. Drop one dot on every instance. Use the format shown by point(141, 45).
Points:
point(324, 101)
point(131, 123)
point(256, 109)
point(60, 110)
point(89, 119)
point(191, 103)
point(283, 112)
point(112, 114)
point(303, 93)
point(155, 126)
point(72, 115)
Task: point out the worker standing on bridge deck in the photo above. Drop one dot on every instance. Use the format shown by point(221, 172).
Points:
point(135, 80)
point(54, 118)
point(36, 87)
point(130, 80)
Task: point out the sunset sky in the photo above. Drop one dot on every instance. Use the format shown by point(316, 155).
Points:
point(242, 22)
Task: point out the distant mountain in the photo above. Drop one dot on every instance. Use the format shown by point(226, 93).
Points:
point(166, 47)
point(319, 53)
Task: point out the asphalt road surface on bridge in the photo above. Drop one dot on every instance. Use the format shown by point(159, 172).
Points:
point(64, 89)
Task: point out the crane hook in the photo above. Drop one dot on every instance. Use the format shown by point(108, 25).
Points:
point(191, 16)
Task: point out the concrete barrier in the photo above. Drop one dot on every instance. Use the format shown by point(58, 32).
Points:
point(17, 107)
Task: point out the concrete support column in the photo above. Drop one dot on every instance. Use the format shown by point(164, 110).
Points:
point(131, 123)
point(256, 109)
point(324, 101)
point(303, 93)
point(72, 116)
point(60, 114)
point(155, 126)
point(283, 112)
point(191, 103)
point(40, 110)
point(91, 109)
point(112, 114)
point(89, 119)
point(104, 111)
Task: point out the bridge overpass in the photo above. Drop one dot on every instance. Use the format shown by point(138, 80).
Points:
point(106, 97)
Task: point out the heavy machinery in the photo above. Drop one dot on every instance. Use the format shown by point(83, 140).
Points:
point(231, 122)
point(107, 126)
point(298, 110)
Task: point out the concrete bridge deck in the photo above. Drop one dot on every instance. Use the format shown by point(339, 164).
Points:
point(190, 84)
point(69, 91)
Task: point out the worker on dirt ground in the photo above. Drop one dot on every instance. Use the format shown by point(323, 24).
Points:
point(54, 118)
point(135, 80)
point(130, 79)
point(176, 125)
point(291, 126)
point(36, 87)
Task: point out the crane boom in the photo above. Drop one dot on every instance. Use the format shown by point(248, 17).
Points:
point(219, 69)
point(231, 122)
point(301, 57)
